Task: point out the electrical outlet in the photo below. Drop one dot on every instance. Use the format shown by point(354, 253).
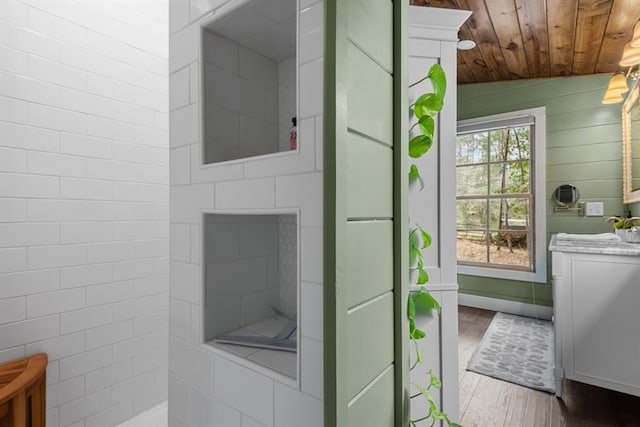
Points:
point(594, 209)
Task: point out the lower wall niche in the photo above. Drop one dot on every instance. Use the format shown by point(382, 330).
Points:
point(251, 282)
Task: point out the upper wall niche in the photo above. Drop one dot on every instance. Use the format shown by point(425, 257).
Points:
point(249, 81)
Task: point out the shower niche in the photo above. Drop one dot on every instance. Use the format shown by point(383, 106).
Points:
point(249, 81)
point(250, 287)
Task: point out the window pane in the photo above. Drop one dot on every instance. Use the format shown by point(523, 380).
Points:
point(499, 142)
point(471, 215)
point(519, 149)
point(509, 214)
point(471, 180)
point(509, 144)
point(510, 248)
point(494, 172)
point(472, 148)
point(471, 246)
point(509, 178)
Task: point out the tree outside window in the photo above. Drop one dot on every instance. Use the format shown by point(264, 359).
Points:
point(494, 191)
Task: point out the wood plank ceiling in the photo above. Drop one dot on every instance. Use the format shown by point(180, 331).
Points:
point(522, 39)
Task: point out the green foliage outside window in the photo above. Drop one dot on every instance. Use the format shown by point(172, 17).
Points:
point(494, 191)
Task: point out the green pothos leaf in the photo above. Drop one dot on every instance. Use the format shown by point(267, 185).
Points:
point(414, 176)
point(438, 80)
point(427, 394)
point(419, 145)
point(418, 334)
point(418, 354)
point(427, 125)
point(427, 104)
point(414, 333)
point(414, 239)
point(435, 381)
point(425, 237)
point(423, 277)
point(437, 415)
point(415, 256)
point(424, 299)
point(411, 309)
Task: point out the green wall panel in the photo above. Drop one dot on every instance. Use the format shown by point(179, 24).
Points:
point(597, 188)
point(604, 151)
point(369, 409)
point(584, 147)
point(532, 293)
point(370, 112)
point(573, 103)
point(369, 166)
point(369, 243)
point(599, 170)
point(369, 325)
point(570, 225)
point(365, 250)
point(575, 119)
point(370, 23)
point(586, 135)
point(531, 93)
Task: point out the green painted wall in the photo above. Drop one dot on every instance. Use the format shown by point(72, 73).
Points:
point(365, 189)
point(584, 148)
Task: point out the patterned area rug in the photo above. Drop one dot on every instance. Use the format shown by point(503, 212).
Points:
point(518, 350)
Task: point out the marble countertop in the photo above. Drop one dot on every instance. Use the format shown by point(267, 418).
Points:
point(595, 247)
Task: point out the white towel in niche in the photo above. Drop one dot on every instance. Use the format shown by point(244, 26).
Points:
point(285, 339)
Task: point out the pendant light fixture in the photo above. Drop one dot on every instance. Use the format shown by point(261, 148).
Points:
point(630, 58)
point(612, 98)
point(635, 40)
point(618, 84)
point(630, 55)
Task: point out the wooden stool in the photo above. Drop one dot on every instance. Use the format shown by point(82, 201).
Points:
point(22, 392)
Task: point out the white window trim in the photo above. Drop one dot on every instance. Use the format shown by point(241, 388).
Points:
point(540, 202)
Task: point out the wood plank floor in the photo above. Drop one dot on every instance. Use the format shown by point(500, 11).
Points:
point(487, 402)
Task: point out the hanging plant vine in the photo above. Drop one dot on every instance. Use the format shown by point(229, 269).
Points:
point(425, 108)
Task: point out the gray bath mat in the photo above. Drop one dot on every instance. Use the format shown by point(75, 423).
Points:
point(518, 350)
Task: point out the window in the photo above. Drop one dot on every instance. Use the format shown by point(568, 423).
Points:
point(500, 209)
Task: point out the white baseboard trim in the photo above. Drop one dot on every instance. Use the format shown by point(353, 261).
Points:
point(505, 306)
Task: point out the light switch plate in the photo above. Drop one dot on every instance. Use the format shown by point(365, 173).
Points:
point(594, 209)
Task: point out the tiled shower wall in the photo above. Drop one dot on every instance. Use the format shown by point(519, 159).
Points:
point(84, 202)
point(286, 100)
point(288, 265)
point(209, 387)
point(235, 128)
point(250, 260)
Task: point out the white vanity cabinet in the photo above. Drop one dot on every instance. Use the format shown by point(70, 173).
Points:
point(596, 293)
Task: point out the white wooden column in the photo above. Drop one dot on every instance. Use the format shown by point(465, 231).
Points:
point(433, 34)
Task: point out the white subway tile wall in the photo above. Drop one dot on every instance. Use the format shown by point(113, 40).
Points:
point(208, 386)
point(286, 100)
point(233, 127)
point(84, 212)
point(251, 266)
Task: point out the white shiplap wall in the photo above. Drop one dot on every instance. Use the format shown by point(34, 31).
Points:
point(84, 202)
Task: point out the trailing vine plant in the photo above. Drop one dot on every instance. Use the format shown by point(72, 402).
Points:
point(424, 110)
